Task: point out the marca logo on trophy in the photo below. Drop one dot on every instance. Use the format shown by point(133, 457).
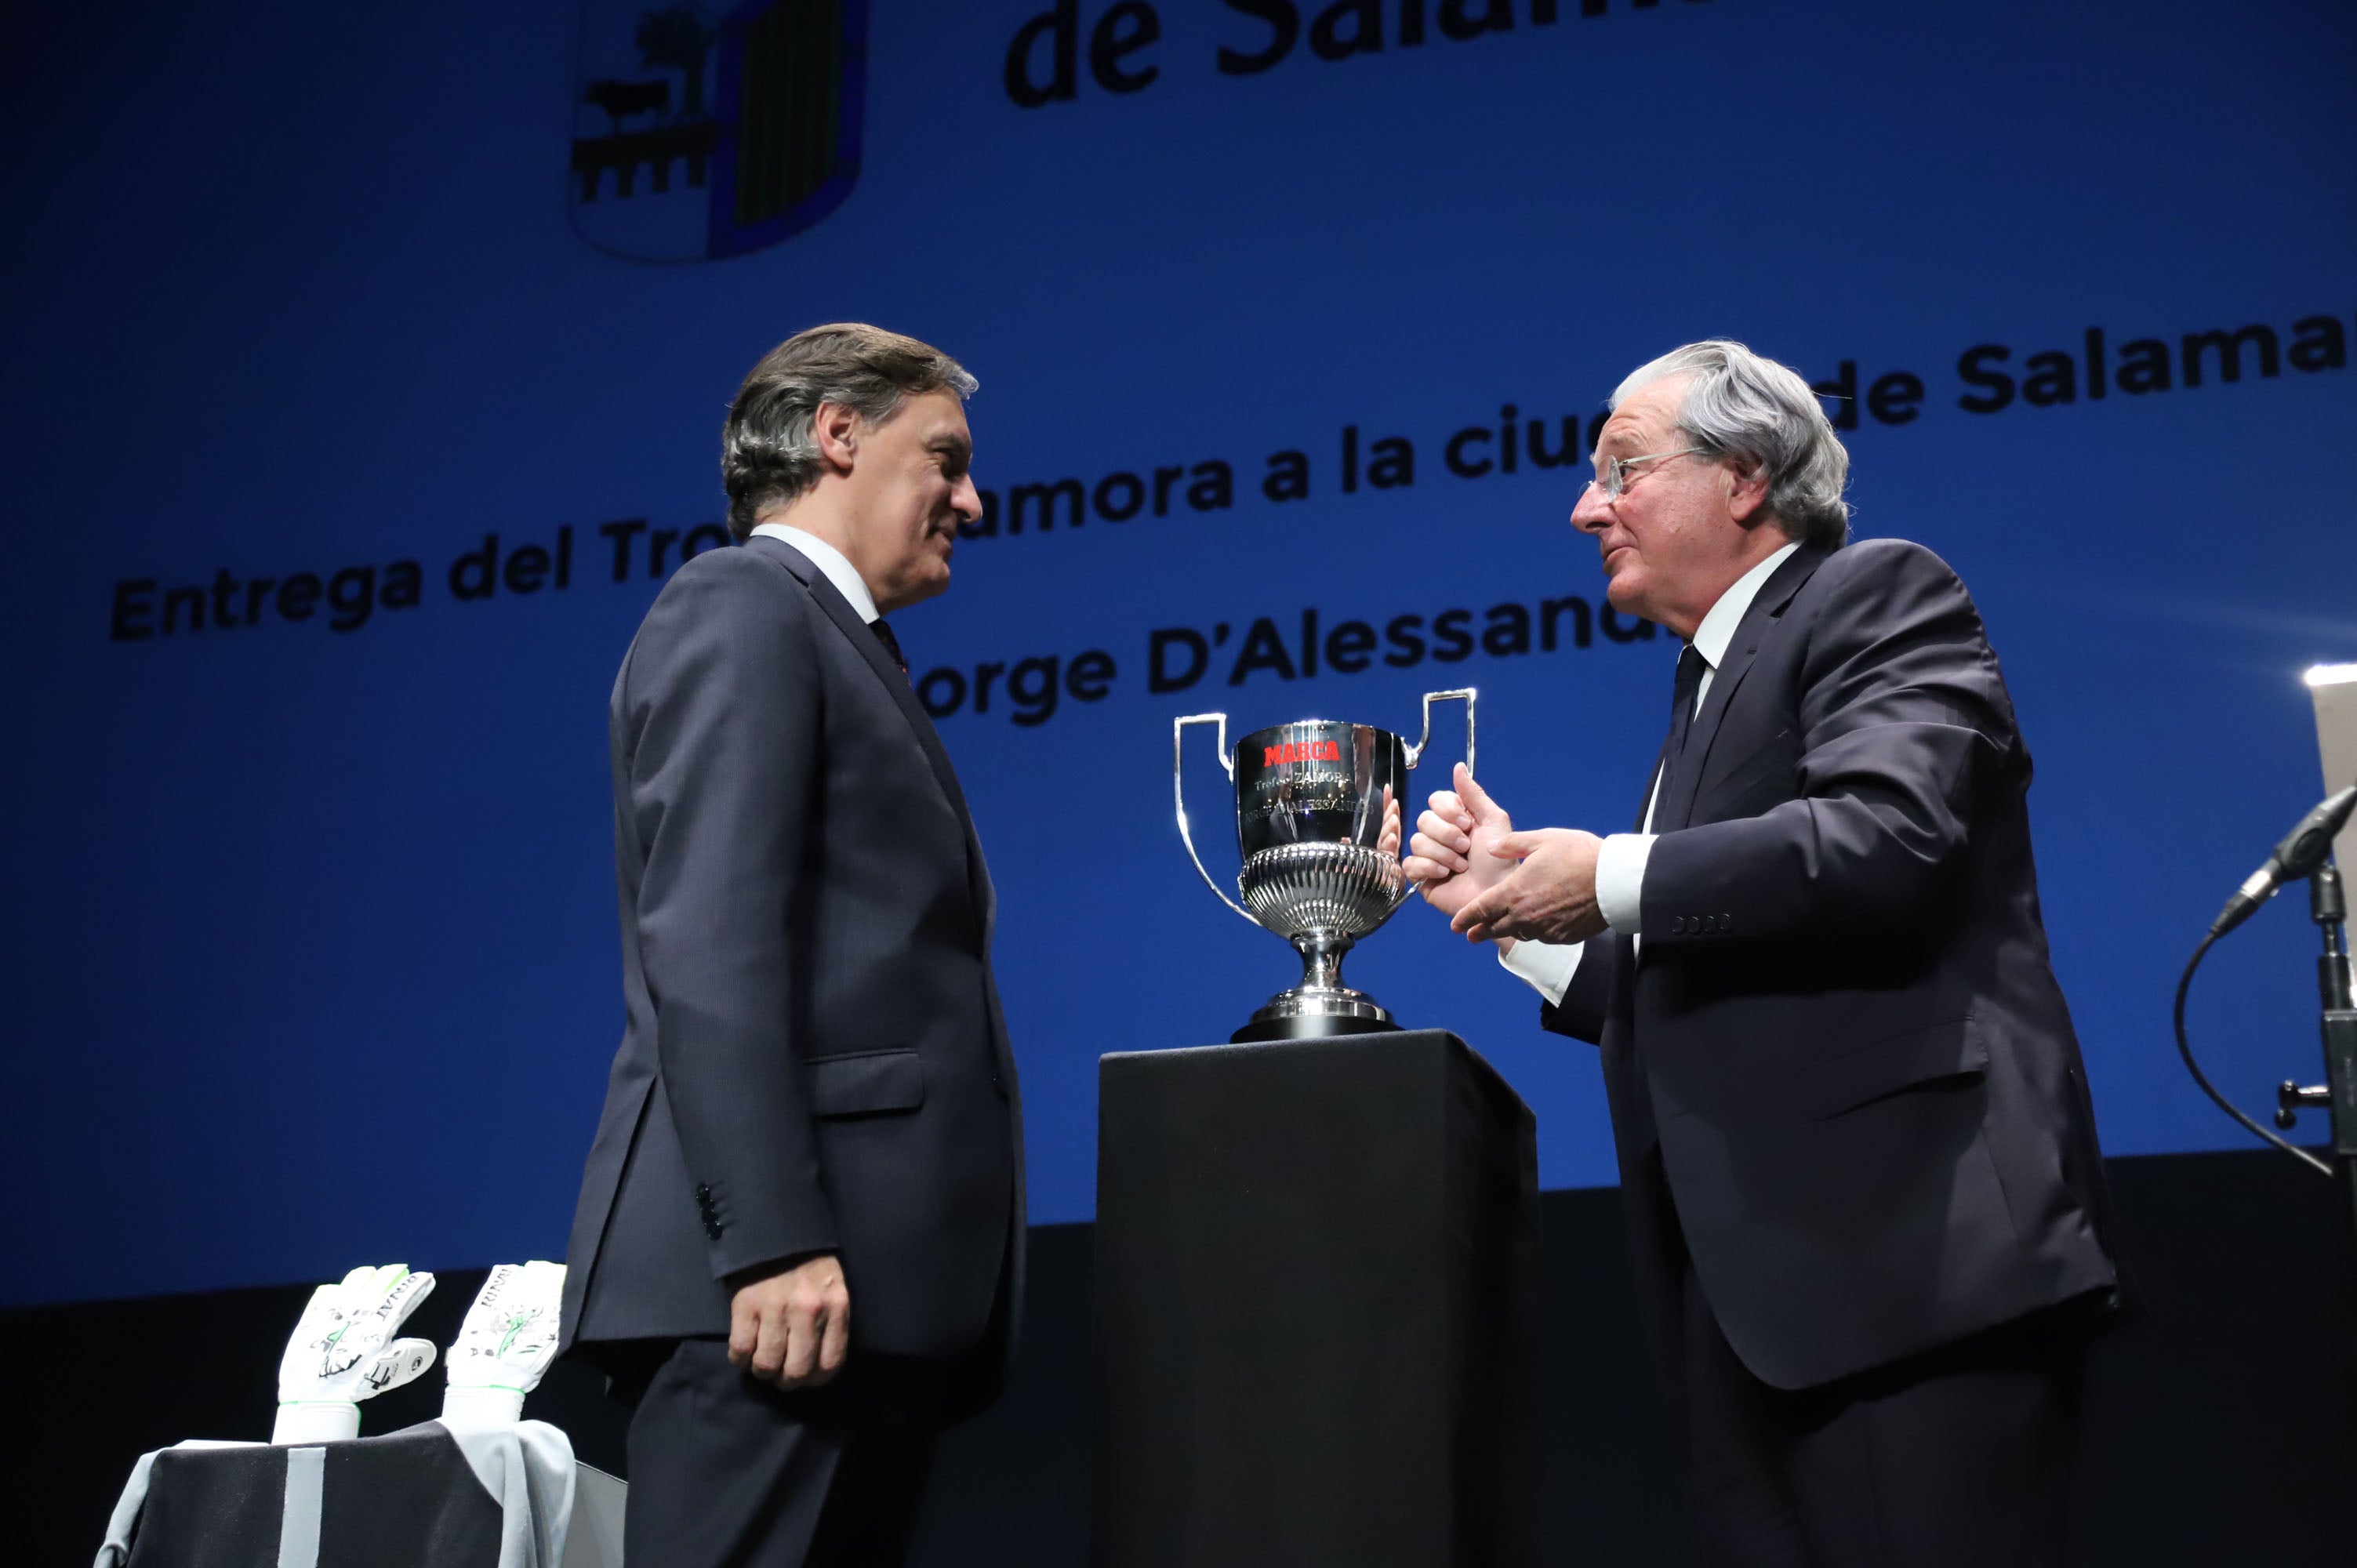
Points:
point(702, 132)
point(1311, 800)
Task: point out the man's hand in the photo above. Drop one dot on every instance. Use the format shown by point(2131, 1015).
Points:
point(792, 1328)
point(1453, 858)
point(1550, 897)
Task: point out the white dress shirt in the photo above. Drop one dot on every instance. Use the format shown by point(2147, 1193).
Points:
point(829, 560)
point(1620, 864)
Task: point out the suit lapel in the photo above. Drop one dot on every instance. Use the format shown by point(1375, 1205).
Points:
point(1685, 780)
point(871, 648)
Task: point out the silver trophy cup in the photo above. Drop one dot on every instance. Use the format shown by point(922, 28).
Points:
point(1310, 799)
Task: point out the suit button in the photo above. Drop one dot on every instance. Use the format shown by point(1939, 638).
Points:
point(1709, 923)
point(1677, 925)
point(1726, 923)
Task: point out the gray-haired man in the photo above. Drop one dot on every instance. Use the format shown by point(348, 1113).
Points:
point(1855, 1141)
point(810, 1162)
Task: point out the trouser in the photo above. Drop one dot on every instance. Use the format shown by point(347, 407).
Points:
point(1962, 1455)
point(728, 1472)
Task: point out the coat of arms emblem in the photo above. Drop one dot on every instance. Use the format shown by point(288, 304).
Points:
point(703, 131)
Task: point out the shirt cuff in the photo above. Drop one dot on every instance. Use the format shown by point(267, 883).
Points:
point(1547, 967)
point(1620, 880)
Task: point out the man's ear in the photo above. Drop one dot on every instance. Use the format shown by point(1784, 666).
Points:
point(1746, 502)
point(837, 429)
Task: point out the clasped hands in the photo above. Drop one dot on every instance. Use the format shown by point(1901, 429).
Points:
point(1497, 885)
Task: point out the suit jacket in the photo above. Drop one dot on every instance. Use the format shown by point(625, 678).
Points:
point(1842, 1074)
point(814, 1058)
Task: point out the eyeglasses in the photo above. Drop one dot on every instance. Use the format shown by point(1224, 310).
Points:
point(1613, 476)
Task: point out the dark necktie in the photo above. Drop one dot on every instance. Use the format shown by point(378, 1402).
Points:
point(883, 631)
point(1691, 666)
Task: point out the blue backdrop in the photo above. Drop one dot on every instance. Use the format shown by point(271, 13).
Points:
point(310, 933)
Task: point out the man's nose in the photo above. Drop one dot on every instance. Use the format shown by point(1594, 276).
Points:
point(1591, 513)
point(965, 500)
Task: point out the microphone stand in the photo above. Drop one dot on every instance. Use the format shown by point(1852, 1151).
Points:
point(2329, 907)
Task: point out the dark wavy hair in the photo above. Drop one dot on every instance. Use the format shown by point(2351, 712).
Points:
point(769, 454)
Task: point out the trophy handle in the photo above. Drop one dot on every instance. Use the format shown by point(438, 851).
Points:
point(1415, 752)
point(1179, 795)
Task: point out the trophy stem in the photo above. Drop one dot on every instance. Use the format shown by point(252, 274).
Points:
point(1321, 1005)
point(1321, 959)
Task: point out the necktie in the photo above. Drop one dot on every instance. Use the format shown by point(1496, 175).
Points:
point(1691, 666)
point(883, 631)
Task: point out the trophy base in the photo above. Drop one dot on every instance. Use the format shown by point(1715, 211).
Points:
point(1310, 1015)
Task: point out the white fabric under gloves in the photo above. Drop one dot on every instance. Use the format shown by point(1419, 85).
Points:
point(551, 1511)
point(345, 1350)
point(505, 1346)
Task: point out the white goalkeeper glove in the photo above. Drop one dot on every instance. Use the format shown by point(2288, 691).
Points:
point(505, 1345)
point(344, 1351)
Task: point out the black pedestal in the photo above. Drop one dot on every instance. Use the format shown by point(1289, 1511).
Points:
point(1316, 1281)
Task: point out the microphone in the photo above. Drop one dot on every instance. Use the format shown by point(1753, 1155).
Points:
point(2302, 851)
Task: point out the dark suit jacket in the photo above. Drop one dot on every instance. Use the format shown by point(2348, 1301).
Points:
point(814, 1058)
point(1841, 1072)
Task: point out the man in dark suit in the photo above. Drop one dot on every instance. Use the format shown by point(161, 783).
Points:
point(1854, 1133)
point(799, 1239)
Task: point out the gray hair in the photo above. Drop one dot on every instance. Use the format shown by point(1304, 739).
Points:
point(768, 450)
point(1761, 413)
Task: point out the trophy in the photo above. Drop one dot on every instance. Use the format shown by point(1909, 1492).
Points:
point(1310, 800)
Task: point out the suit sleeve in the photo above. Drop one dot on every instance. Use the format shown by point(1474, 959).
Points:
point(1906, 734)
point(724, 709)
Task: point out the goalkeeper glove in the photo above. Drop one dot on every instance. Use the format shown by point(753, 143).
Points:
point(505, 1345)
point(344, 1351)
